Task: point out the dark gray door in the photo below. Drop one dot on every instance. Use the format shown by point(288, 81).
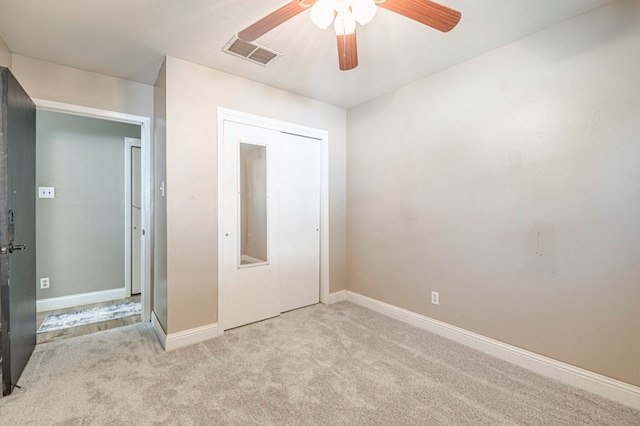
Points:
point(17, 229)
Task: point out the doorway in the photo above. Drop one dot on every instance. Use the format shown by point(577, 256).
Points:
point(87, 222)
point(273, 230)
point(143, 146)
point(18, 219)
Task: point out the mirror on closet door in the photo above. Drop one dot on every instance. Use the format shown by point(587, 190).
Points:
point(253, 205)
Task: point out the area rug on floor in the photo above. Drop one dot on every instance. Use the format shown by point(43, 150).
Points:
point(89, 316)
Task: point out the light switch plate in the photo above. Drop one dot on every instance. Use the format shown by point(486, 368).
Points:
point(45, 283)
point(46, 192)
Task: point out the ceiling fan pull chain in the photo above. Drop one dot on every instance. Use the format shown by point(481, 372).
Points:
point(344, 46)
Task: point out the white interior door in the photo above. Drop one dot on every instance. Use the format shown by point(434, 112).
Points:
point(136, 220)
point(249, 269)
point(299, 214)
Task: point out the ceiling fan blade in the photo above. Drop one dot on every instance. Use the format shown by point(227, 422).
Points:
point(347, 52)
point(426, 12)
point(271, 21)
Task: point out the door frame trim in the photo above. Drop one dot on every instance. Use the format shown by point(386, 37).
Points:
point(226, 114)
point(147, 174)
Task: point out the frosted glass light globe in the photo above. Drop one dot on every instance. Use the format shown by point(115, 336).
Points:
point(364, 10)
point(322, 13)
point(340, 5)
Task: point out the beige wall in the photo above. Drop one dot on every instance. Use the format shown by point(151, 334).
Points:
point(5, 54)
point(509, 184)
point(160, 206)
point(52, 82)
point(193, 95)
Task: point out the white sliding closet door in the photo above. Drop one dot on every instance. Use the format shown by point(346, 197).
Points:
point(250, 260)
point(299, 213)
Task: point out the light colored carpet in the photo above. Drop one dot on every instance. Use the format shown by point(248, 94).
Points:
point(339, 365)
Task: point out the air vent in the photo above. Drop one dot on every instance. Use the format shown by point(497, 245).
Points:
point(251, 51)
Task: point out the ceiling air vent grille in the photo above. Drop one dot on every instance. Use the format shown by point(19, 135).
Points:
point(251, 51)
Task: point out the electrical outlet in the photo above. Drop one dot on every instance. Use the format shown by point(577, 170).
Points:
point(45, 283)
point(435, 297)
point(46, 192)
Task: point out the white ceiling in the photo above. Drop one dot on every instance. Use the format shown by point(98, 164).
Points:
point(129, 38)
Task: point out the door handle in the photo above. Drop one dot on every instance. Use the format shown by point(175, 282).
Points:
point(11, 248)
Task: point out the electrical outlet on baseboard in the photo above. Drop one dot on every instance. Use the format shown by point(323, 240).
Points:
point(435, 297)
point(45, 283)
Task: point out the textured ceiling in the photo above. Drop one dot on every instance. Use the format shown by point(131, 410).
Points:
point(129, 38)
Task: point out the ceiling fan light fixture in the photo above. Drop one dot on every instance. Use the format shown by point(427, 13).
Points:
point(345, 23)
point(347, 14)
point(363, 10)
point(322, 13)
point(341, 5)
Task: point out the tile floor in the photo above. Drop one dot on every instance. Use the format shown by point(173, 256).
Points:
point(83, 329)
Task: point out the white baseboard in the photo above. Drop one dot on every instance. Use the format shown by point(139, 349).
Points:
point(64, 302)
point(337, 296)
point(181, 339)
point(598, 384)
point(190, 337)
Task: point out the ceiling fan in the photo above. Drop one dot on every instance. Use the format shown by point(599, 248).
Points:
point(345, 13)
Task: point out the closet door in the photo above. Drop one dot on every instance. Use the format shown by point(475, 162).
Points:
point(299, 214)
point(250, 260)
